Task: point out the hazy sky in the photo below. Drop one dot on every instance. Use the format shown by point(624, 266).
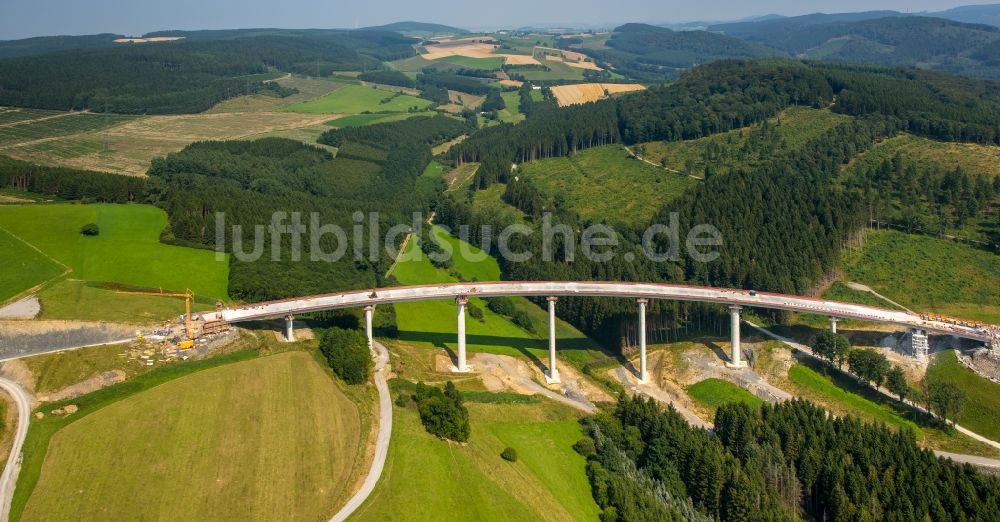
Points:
point(23, 18)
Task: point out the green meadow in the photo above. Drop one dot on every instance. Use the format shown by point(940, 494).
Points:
point(358, 120)
point(606, 183)
point(981, 413)
point(471, 482)
point(356, 99)
point(713, 393)
point(127, 250)
point(23, 267)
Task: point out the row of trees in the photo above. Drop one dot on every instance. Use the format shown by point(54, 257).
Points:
point(71, 184)
point(874, 369)
point(782, 462)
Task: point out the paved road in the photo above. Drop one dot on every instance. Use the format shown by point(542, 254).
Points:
point(9, 478)
point(381, 440)
point(980, 462)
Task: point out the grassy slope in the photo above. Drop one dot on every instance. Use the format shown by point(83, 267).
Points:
point(972, 158)
point(23, 267)
point(434, 322)
point(929, 274)
point(982, 406)
point(426, 478)
point(127, 250)
point(512, 112)
point(794, 126)
point(716, 392)
point(354, 99)
point(262, 438)
point(604, 183)
point(489, 64)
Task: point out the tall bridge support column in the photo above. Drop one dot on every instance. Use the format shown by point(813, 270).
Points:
point(290, 328)
point(736, 356)
point(995, 346)
point(919, 347)
point(833, 324)
point(369, 311)
point(461, 301)
point(552, 376)
point(643, 376)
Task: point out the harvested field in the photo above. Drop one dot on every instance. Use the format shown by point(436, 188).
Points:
point(589, 92)
point(519, 59)
point(470, 49)
point(133, 144)
point(511, 83)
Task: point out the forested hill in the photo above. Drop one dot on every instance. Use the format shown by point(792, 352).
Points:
point(651, 53)
point(187, 75)
point(416, 27)
point(934, 43)
point(783, 220)
point(50, 44)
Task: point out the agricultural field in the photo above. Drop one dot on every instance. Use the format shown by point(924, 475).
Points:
point(9, 115)
point(511, 112)
point(127, 251)
point(355, 99)
point(471, 481)
point(712, 393)
point(433, 323)
point(590, 92)
point(928, 274)
point(557, 70)
point(23, 267)
point(47, 127)
point(469, 62)
point(606, 183)
point(273, 436)
point(787, 131)
point(130, 146)
point(358, 120)
point(981, 413)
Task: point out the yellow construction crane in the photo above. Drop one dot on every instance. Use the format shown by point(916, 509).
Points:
point(188, 330)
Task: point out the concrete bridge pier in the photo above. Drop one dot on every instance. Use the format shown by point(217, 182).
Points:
point(833, 324)
point(290, 328)
point(736, 357)
point(461, 301)
point(643, 376)
point(552, 376)
point(369, 311)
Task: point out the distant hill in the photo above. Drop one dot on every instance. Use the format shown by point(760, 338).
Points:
point(975, 14)
point(49, 44)
point(420, 28)
point(933, 43)
point(652, 53)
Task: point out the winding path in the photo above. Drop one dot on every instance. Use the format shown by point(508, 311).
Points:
point(381, 440)
point(10, 471)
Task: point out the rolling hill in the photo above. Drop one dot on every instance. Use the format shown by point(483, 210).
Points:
point(416, 28)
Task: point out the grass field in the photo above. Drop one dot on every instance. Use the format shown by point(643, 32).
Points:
point(605, 183)
point(981, 413)
point(23, 267)
point(271, 437)
point(127, 250)
point(791, 129)
point(426, 478)
point(357, 120)
point(355, 99)
point(62, 125)
point(929, 274)
point(55, 371)
point(558, 70)
point(713, 393)
point(72, 299)
point(468, 62)
point(511, 113)
point(433, 323)
point(308, 87)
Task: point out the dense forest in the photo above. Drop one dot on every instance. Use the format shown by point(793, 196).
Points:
point(783, 219)
point(376, 171)
point(783, 462)
point(179, 77)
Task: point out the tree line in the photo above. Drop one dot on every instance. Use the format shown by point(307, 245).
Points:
point(777, 462)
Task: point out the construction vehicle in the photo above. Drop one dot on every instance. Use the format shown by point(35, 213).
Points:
point(188, 329)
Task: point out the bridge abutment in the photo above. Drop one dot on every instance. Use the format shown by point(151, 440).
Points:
point(917, 343)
